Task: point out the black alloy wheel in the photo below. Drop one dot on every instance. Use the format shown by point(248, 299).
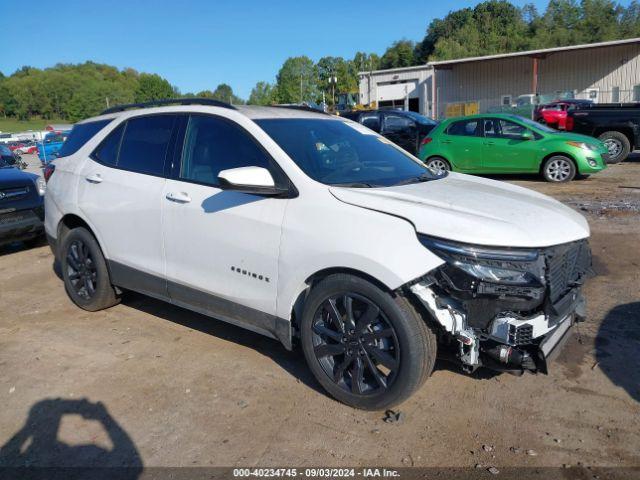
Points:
point(81, 270)
point(84, 270)
point(355, 344)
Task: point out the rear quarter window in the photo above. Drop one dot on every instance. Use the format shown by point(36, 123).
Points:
point(80, 135)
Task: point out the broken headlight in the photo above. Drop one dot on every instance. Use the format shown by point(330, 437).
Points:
point(511, 266)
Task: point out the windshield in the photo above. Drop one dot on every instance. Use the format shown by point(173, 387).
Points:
point(539, 126)
point(344, 153)
point(420, 118)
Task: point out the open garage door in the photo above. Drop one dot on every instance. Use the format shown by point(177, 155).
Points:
point(393, 95)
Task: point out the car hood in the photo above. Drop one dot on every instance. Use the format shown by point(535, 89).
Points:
point(13, 177)
point(474, 210)
point(576, 137)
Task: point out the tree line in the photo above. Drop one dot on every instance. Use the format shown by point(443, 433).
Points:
point(78, 91)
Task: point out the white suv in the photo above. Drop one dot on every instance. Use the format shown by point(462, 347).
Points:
point(308, 227)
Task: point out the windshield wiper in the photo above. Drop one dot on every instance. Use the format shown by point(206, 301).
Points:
point(354, 185)
point(425, 177)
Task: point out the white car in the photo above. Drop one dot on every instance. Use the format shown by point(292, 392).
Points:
point(313, 229)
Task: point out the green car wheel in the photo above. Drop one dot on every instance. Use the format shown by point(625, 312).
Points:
point(438, 165)
point(559, 169)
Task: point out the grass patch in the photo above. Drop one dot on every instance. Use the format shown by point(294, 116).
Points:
point(12, 125)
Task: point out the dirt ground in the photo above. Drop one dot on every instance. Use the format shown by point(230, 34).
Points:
point(147, 383)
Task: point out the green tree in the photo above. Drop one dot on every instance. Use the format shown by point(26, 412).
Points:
point(297, 81)
point(399, 54)
point(153, 87)
point(600, 20)
point(630, 20)
point(262, 94)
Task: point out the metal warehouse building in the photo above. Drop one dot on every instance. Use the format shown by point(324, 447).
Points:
point(603, 72)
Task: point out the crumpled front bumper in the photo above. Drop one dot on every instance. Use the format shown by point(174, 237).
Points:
point(510, 342)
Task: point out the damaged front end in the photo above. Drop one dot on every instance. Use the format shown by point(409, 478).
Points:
point(508, 309)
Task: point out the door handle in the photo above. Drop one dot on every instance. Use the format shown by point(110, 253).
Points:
point(445, 141)
point(180, 197)
point(490, 143)
point(95, 178)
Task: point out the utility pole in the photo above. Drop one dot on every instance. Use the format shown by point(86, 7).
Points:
point(300, 87)
point(333, 80)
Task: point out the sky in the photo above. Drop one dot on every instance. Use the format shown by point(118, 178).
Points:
point(198, 44)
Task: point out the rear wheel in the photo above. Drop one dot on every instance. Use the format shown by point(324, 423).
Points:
point(438, 165)
point(617, 144)
point(559, 169)
point(85, 273)
point(365, 347)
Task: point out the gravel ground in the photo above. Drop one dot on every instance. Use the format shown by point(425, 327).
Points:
point(147, 383)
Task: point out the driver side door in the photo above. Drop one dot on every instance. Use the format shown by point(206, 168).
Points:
point(221, 246)
point(509, 147)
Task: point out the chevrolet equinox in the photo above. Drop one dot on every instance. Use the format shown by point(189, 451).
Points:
point(315, 231)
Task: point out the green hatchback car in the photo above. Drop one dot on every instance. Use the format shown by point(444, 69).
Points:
point(503, 143)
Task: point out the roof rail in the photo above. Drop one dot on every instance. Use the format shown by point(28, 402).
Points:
point(304, 108)
point(169, 101)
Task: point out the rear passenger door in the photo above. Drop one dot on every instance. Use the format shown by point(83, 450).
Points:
point(120, 192)
point(462, 144)
point(222, 245)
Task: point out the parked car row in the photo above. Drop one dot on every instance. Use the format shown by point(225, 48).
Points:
point(489, 144)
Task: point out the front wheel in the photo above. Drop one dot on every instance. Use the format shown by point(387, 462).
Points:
point(617, 144)
point(366, 348)
point(438, 165)
point(559, 169)
point(85, 273)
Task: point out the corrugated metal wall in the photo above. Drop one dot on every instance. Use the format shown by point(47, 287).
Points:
point(487, 81)
point(578, 70)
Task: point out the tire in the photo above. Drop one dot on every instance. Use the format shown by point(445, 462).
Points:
point(618, 145)
point(85, 273)
point(386, 345)
point(438, 164)
point(559, 169)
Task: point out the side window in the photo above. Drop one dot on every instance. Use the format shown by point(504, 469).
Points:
point(144, 146)
point(107, 151)
point(467, 128)
point(397, 123)
point(510, 130)
point(213, 144)
point(371, 120)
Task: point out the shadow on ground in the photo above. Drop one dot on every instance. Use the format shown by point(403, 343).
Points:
point(292, 362)
point(617, 346)
point(36, 451)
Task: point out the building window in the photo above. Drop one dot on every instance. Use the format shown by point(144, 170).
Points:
point(506, 100)
point(615, 95)
point(636, 93)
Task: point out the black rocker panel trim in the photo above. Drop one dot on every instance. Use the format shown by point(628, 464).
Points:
point(201, 302)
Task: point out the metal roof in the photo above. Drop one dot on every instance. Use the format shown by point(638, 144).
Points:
point(543, 51)
point(527, 53)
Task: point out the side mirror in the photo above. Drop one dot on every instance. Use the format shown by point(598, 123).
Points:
point(254, 180)
point(527, 135)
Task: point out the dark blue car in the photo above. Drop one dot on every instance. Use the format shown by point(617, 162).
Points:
point(21, 202)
